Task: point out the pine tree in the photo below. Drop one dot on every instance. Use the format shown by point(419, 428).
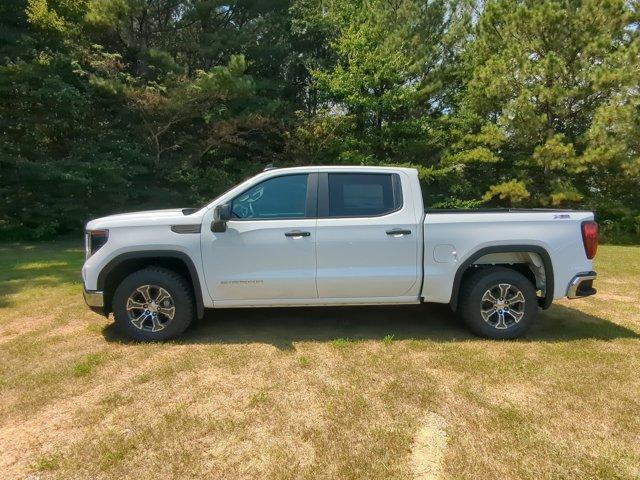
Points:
point(551, 104)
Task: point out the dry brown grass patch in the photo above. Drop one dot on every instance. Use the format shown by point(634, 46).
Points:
point(317, 393)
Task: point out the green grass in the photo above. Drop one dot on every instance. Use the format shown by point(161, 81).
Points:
point(341, 342)
point(258, 398)
point(303, 361)
point(313, 393)
point(87, 365)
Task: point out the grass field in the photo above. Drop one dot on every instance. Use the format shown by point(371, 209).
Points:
point(362, 393)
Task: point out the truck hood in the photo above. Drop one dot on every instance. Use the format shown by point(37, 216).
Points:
point(174, 216)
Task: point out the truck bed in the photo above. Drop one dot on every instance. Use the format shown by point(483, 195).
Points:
point(496, 210)
point(454, 237)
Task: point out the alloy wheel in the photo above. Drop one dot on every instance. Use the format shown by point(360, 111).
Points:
point(150, 308)
point(502, 306)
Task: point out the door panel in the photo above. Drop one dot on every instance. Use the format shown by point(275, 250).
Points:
point(356, 257)
point(255, 260)
point(261, 256)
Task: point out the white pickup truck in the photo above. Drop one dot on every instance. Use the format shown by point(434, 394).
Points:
point(312, 236)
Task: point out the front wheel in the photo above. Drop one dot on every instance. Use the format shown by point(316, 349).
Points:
point(153, 304)
point(498, 302)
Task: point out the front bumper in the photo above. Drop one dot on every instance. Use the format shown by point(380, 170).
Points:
point(94, 299)
point(582, 285)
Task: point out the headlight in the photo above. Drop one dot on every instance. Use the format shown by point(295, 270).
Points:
point(94, 240)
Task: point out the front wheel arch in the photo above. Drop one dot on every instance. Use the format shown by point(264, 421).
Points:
point(124, 264)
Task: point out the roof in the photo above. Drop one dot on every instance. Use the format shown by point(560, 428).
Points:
point(346, 168)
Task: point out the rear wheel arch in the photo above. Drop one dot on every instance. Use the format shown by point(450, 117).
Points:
point(469, 266)
point(124, 264)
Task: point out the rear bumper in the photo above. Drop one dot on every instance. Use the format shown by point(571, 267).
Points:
point(582, 285)
point(94, 299)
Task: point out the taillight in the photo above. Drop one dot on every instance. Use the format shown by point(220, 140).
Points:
point(590, 238)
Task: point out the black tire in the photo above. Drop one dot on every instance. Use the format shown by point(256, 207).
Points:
point(489, 279)
point(181, 300)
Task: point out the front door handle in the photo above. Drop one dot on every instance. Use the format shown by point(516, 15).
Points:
point(398, 231)
point(297, 233)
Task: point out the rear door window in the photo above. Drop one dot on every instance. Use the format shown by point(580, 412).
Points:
point(363, 194)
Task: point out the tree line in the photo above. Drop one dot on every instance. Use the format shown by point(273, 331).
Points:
point(114, 105)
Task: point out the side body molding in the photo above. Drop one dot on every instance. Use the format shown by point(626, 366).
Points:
point(193, 273)
point(544, 255)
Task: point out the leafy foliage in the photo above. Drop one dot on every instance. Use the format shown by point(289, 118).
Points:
point(109, 104)
point(543, 77)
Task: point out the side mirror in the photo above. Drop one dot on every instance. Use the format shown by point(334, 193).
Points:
point(223, 212)
point(221, 215)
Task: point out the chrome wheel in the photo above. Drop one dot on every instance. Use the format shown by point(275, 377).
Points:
point(502, 306)
point(150, 308)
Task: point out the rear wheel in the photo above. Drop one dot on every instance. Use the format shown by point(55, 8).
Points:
point(153, 304)
point(498, 302)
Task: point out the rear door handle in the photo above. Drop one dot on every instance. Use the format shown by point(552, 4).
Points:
point(297, 233)
point(398, 231)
